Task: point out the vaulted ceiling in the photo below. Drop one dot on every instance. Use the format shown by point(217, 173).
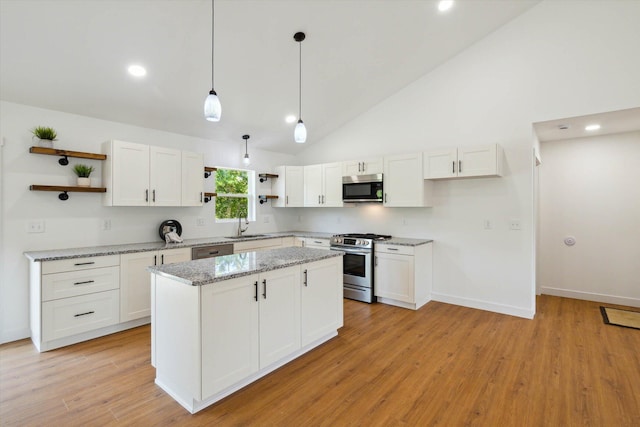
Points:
point(72, 56)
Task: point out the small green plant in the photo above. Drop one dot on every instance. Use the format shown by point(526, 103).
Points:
point(83, 171)
point(43, 132)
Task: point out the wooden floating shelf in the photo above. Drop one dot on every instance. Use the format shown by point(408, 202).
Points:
point(266, 176)
point(208, 170)
point(66, 153)
point(64, 189)
point(265, 198)
point(209, 196)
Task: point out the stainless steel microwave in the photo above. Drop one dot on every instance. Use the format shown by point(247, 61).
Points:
point(362, 188)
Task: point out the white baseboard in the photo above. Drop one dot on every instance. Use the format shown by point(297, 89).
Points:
point(590, 296)
point(527, 313)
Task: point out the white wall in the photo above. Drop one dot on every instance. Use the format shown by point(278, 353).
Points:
point(560, 59)
point(78, 221)
point(589, 190)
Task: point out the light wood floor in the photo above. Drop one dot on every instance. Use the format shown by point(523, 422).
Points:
point(442, 365)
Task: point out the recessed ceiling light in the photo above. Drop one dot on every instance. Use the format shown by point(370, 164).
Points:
point(445, 5)
point(592, 127)
point(290, 118)
point(137, 70)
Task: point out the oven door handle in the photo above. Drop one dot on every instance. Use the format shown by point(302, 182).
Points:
point(350, 251)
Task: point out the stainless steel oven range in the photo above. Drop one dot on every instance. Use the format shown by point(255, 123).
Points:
point(357, 264)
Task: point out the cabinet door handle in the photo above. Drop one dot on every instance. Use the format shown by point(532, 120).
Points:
point(85, 263)
point(375, 261)
point(83, 314)
point(155, 260)
point(162, 259)
point(201, 197)
point(264, 284)
point(154, 196)
point(83, 283)
point(363, 168)
point(459, 166)
point(146, 195)
point(323, 199)
point(256, 288)
point(305, 277)
point(319, 196)
point(385, 197)
point(453, 167)
point(286, 200)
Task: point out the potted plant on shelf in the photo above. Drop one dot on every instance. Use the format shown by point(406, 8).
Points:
point(83, 172)
point(45, 135)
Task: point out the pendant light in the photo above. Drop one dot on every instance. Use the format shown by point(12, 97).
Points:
point(245, 159)
point(212, 107)
point(300, 132)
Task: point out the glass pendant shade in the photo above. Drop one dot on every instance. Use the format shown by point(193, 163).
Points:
point(212, 107)
point(245, 159)
point(300, 132)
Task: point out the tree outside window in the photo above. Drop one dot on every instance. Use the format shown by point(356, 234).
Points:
point(235, 194)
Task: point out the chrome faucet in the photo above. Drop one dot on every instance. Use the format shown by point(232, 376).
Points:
point(240, 229)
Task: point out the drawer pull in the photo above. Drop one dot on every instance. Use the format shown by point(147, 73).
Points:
point(83, 314)
point(393, 249)
point(318, 242)
point(214, 252)
point(84, 283)
point(84, 263)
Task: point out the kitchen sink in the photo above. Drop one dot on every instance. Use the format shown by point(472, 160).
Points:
point(247, 236)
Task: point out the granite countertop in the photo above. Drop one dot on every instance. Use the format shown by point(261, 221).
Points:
point(402, 241)
point(209, 270)
point(87, 252)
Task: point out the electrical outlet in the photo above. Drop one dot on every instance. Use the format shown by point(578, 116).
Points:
point(404, 221)
point(35, 226)
point(514, 224)
point(106, 224)
point(487, 224)
point(200, 222)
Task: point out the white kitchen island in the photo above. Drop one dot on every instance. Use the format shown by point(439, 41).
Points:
point(221, 323)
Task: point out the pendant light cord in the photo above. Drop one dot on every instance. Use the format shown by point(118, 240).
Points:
point(300, 84)
point(212, 39)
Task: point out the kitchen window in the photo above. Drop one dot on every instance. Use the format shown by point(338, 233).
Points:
point(236, 194)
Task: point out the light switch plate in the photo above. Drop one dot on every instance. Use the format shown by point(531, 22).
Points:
point(514, 224)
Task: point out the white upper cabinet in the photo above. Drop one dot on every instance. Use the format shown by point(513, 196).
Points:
point(144, 175)
point(363, 166)
point(323, 185)
point(126, 174)
point(464, 162)
point(192, 178)
point(165, 176)
point(404, 185)
point(289, 187)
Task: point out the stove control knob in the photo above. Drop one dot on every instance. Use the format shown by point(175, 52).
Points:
point(364, 242)
point(359, 242)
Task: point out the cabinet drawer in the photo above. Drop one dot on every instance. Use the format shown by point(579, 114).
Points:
point(70, 316)
point(395, 249)
point(74, 283)
point(256, 244)
point(311, 243)
point(75, 264)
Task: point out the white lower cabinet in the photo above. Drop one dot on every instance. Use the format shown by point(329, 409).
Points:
point(229, 354)
point(135, 282)
point(314, 242)
point(321, 299)
point(258, 245)
point(232, 332)
point(73, 300)
point(265, 309)
point(403, 275)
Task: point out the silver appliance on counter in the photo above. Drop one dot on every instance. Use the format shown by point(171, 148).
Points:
point(362, 188)
point(357, 264)
point(200, 252)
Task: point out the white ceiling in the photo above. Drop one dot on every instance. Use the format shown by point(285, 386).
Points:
point(574, 127)
point(72, 55)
